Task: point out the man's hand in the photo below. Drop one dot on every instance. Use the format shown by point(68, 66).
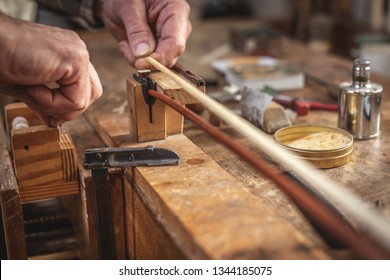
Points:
point(34, 55)
point(158, 28)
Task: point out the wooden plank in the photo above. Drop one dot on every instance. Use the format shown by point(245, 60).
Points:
point(152, 244)
point(83, 224)
point(129, 217)
point(18, 109)
point(44, 159)
point(44, 162)
point(174, 121)
point(206, 212)
point(254, 182)
point(68, 157)
point(371, 183)
point(11, 210)
point(117, 214)
point(36, 193)
point(66, 255)
point(37, 156)
point(80, 207)
point(172, 89)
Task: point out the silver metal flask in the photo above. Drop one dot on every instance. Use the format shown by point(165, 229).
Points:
point(360, 103)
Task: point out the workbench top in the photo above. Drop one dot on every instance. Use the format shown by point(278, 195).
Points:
point(367, 174)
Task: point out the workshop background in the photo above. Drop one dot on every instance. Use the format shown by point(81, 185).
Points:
point(349, 28)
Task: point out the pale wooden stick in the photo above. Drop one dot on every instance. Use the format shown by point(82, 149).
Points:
point(371, 221)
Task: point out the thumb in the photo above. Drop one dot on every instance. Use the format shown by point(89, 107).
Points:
point(139, 36)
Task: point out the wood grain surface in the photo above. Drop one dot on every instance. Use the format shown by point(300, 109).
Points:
point(44, 158)
point(11, 209)
point(366, 175)
point(203, 209)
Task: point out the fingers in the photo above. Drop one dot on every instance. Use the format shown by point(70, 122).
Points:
point(172, 29)
point(21, 93)
point(50, 104)
point(56, 106)
point(49, 120)
point(139, 40)
point(140, 44)
point(61, 57)
point(96, 86)
point(159, 28)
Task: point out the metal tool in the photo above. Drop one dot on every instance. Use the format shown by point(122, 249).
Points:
point(188, 75)
point(301, 106)
point(99, 161)
point(147, 83)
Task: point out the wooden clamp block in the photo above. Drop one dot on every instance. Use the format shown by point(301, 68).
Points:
point(166, 121)
point(44, 157)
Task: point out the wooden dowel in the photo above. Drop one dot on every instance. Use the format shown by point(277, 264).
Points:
point(370, 221)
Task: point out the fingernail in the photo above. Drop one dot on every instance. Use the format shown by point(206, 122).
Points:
point(141, 49)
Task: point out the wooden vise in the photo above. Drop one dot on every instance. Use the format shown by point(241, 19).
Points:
point(44, 157)
point(165, 120)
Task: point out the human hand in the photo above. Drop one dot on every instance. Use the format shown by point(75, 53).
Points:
point(34, 55)
point(159, 28)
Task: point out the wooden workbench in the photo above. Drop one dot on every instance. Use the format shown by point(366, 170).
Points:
point(165, 224)
point(366, 175)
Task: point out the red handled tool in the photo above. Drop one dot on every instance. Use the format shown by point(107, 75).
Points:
point(302, 106)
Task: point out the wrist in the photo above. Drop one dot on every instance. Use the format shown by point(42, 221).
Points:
point(7, 43)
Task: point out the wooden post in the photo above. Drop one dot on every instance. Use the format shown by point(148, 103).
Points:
point(141, 129)
point(166, 121)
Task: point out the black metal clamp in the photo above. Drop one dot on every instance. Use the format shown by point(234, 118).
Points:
point(143, 77)
point(99, 161)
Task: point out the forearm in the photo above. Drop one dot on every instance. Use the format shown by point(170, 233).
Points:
point(7, 43)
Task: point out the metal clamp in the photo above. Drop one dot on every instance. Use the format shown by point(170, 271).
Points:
point(99, 161)
point(147, 83)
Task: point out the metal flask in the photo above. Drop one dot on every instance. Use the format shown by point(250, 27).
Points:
point(360, 103)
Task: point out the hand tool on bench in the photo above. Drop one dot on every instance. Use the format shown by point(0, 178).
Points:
point(99, 161)
point(302, 106)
